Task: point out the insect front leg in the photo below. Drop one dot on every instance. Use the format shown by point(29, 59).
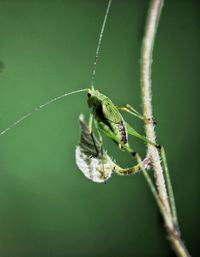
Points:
point(128, 108)
point(141, 166)
point(101, 145)
point(90, 129)
point(99, 136)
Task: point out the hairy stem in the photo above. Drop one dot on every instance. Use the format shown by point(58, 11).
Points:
point(146, 62)
point(169, 186)
point(149, 182)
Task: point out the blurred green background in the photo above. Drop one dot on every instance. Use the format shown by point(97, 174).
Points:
point(47, 207)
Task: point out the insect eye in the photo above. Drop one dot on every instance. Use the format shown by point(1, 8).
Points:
point(88, 94)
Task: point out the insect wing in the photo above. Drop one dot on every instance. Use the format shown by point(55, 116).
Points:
point(115, 121)
point(111, 113)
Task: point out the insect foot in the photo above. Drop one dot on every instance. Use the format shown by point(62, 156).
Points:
point(150, 121)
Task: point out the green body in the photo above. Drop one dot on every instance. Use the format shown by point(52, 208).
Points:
point(108, 117)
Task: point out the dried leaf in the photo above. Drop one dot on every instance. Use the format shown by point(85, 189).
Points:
point(91, 159)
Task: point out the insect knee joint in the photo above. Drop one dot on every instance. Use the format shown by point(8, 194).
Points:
point(133, 154)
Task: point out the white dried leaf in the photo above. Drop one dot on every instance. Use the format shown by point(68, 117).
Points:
point(93, 168)
point(93, 161)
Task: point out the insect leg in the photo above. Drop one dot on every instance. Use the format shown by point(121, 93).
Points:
point(106, 130)
point(128, 108)
point(133, 170)
point(99, 136)
point(90, 123)
point(90, 129)
point(101, 142)
point(134, 133)
point(127, 171)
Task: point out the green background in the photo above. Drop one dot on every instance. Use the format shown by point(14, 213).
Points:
point(47, 207)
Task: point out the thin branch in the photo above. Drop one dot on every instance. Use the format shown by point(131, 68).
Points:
point(150, 182)
point(169, 186)
point(146, 61)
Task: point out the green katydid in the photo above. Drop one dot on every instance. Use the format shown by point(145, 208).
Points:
point(108, 119)
point(105, 114)
point(91, 157)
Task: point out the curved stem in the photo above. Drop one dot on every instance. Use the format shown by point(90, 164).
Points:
point(169, 186)
point(146, 61)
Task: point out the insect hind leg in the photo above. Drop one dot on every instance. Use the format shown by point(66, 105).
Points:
point(111, 135)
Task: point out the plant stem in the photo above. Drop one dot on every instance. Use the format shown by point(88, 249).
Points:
point(149, 182)
point(146, 61)
point(169, 186)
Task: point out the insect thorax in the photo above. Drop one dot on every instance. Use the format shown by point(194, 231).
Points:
point(95, 102)
point(106, 113)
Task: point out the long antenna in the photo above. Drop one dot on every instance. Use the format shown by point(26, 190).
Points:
point(38, 108)
point(99, 43)
point(70, 93)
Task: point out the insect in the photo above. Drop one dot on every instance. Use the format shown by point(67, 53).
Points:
point(107, 118)
point(91, 158)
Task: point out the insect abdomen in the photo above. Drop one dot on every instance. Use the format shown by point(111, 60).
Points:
point(123, 133)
